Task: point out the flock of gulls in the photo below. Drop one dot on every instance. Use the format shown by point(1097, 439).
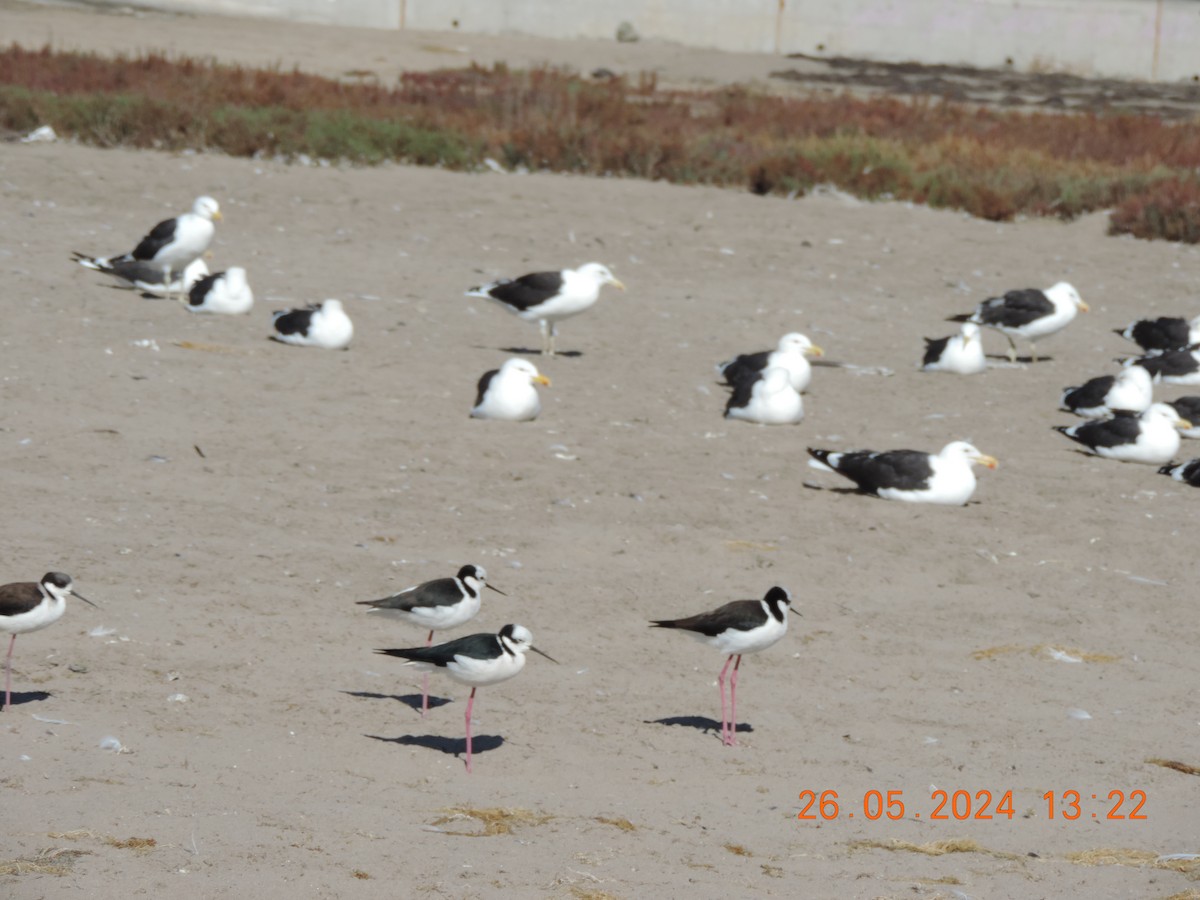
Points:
point(1124, 422)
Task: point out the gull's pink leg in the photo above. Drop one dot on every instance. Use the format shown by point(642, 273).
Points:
point(8, 674)
point(733, 702)
point(721, 687)
point(470, 703)
point(425, 682)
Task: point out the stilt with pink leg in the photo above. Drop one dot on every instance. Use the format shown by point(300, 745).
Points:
point(30, 606)
point(477, 660)
point(437, 605)
point(737, 628)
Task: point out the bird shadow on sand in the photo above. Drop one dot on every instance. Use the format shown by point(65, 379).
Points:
point(412, 701)
point(700, 723)
point(1020, 360)
point(20, 698)
point(480, 743)
point(529, 351)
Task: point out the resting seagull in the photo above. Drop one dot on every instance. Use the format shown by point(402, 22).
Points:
point(961, 354)
point(1151, 437)
point(791, 354)
point(1164, 333)
point(1171, 366)
point(1028, 313)
point(766, 398)
point(144, 276)
point(1186, 472)
point(547, 297)
point(1131, 390)
point(944, 477)
point(226, 293)
point(1188, 409)
point(173, 244)
point(508, 393)
point(323, 325)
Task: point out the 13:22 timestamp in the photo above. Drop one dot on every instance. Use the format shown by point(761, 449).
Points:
point(961, 804)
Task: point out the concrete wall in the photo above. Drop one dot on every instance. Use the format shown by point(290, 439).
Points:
point(1147, 39)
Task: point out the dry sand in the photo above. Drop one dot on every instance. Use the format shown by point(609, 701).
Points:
point(923, 660)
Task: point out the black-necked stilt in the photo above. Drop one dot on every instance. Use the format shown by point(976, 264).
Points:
point(910, 475)
point(29, 606)
point(737, 628)
point(437, 605)
point(508, 393)
point(791, 353)
point(323, 325)
point(547, 297)
point(1029, 313)
point(477, 660)
point(174, 243)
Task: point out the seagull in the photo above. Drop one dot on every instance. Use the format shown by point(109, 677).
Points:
point(324, 325)
point(790, 353)
point(145, 276)
point(943, 477)
point(737, 628)
point(1028, 313)
point(508, 393)
point(1151, 437)
point(961, 354)
point(766, 398)
point(1164, 333)
point(1131, 390)
point(1188, 409)
point(173, 244)
point(477, 660)
point(547, 297)
point(1171, 366)
point(438, 605)
point(30, 606)
point(1186, 472)
point(225, 292)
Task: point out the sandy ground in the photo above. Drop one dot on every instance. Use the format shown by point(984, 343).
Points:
point(924, 660)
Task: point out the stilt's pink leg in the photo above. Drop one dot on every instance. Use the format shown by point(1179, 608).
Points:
point(721, 686)
point(470, 703)
point(733, 702)
point(425, 682)
point(8, 674)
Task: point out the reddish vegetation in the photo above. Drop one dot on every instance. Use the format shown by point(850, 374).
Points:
point(991, 163)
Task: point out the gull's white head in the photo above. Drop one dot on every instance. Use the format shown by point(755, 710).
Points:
point(207, 208)
point(517, 367)
point(968, 452)
point(600, 274)
point(795, 342)
point(1066, 291)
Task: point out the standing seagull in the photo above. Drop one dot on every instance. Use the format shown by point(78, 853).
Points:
point(29, 606)
point(1028, 313)
point(1163, 333)
point(477, 660)
point(323, 325)
point(791, 354)
point(225, 292)
point(961, 354)
point(173, 244)
point(508, 393)
point(437, 605)
point(144, 276)
point(546, 297)
point(1151, 437)
point(737, 628)
point(766, 398)
point(943, 477)
point(1131, 390)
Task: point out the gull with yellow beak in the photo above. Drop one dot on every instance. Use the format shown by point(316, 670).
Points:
point(944, 477)
point(547, 297)
point(961, 353)
point(790, 353)
point(1151, 437)
point(508, 393)
point(1028, 313)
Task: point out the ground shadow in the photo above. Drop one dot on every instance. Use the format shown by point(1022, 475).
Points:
point(412, 701)
point(529, 351)
point(481, 743)
point(19, 698)
point(700, 723)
